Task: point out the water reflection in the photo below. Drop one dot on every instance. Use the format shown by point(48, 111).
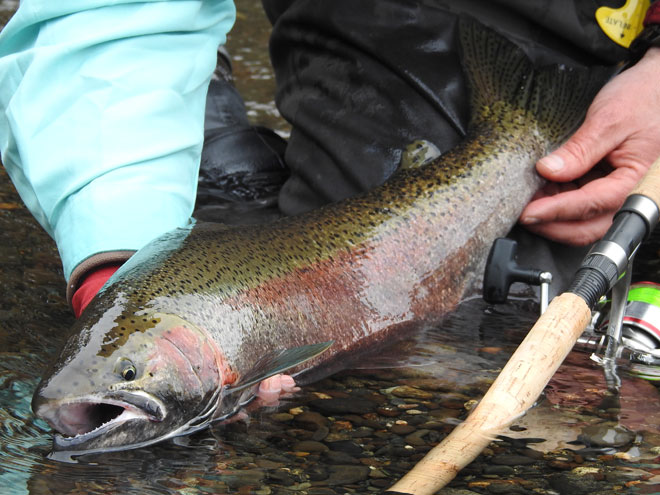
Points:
point(355, 432)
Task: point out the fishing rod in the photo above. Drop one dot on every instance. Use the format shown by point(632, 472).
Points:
point(606, 267)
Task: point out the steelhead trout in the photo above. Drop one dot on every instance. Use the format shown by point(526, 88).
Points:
point(188, 327)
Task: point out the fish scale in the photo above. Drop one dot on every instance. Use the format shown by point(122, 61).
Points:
point(261, 299)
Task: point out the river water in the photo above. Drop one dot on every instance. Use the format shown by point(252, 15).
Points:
point(356, 432)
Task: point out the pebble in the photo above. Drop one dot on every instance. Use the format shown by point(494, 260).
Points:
point(505, 487)
point(416, 438)
point(339, 405)
point(282, 417)
point(388, 411)
point(310, 446)
point(346, 475)
point(407, 392)
point(512, 460)
point(310, 418)
point(453, 401)
point(585, 470)
point(347, 446)
point(362, 432)
point(282, 476)
point(239, 478)
point(456, 491)
point(321, 433)
point(268, 464)
point(572, 484)
point(445, 413)
point(336, 457)
point(337, 437)
point(557, 464)
point(606, 435)
point(531, 453)
point(498, 470)
point(377, 473)
point(316, 472)
point(402, 429)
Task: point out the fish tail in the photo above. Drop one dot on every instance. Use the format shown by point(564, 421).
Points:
point(501, 77)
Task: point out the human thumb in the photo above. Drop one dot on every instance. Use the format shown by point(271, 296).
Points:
point(578, 154)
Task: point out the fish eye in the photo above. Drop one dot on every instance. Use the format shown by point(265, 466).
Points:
point(128, 373)
point(126, 369)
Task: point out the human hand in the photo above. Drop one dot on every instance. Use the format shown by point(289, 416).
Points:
point(593, 172)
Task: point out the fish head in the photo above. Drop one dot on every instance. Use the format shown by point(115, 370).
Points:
point(129, 379)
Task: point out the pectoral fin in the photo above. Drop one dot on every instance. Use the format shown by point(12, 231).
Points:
point(278, 362)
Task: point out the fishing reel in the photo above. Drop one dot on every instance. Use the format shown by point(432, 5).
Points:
point(624, 326)
point(638, 327)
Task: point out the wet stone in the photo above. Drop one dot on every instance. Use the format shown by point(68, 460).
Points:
point(445, 412)
point(606, 435)
point(389, 411)
point(402, 429)
point(408, 392)
point(268, 464)
point(300, 434)
point(453, 401)
point(416, 420)
point(416, 438)
point(310, 418)
point(557, 464)
point(377, 473)
point(385, 451)
point(512, 460)
point(346, 475)
point(347, 446)
point(572, 484)
point(498, 470)
point(531, 453)
point(239, 478)
point(340, 405)
point(506, 488)
point(319, 490)
point(585, 471)
point(317, 473)
point(403, 451)
point(282, 477)
point(310, 446)
point(321, 433)
point(282, 417)
point(456, 491)
point(380, 482)
point(333, 457)
point(362, 432)
point(397, 442)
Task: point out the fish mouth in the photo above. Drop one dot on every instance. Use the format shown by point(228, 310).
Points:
point(81, 421)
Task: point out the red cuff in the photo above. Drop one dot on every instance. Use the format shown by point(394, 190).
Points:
point(90, 285)
point(652, 14)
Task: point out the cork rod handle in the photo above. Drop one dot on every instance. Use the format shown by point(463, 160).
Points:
point(649, 186)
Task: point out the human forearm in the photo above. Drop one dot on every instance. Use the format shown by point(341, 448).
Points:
point(101, 120)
